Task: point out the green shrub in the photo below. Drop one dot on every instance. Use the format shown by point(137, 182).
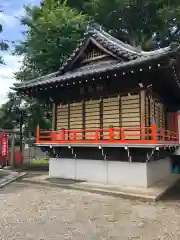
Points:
point(33, 167)
point(40, 161)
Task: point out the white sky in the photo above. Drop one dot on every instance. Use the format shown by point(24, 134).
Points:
point(6, 75)
point(12, 31)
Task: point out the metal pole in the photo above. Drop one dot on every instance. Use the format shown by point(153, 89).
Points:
point(12, 163)
point(21, 133)
point(30, 146)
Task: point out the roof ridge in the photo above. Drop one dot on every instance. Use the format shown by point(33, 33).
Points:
point(96, 32)
point(118, 42)
point(131, 48)
point(116, 46)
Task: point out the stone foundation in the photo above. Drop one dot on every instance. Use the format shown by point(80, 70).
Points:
point(131, 174)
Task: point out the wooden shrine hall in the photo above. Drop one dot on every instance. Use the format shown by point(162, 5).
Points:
point(115, 112)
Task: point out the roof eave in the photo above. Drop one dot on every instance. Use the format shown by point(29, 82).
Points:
point(118, 66)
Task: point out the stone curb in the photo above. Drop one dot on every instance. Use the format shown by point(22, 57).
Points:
point(14, 178)
point(96, 190)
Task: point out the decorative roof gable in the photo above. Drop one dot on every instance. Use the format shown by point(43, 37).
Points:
point(112, 55)
point(109, 45)
point(91, 53)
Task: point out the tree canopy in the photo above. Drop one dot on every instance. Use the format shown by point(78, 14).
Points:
point(53, 32)
point(55, 27)
point(3, 44)
point(144, 23)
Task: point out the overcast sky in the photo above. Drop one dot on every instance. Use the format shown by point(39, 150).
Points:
point(12, 10)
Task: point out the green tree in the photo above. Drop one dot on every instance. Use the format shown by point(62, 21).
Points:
point(8, 111)
point(53, 32)
point(33, 112)
point(147, 24)
point(54, 28)
point(3, 44)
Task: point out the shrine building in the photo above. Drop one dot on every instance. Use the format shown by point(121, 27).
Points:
point(115, 112)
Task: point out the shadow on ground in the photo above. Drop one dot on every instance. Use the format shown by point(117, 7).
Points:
point(52, 180)
point(31, 174)
point(173, 194)
point(63, 181)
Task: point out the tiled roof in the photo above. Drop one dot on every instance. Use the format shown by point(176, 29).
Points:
point(89, 70)
point(117, 47)
point(132, 55)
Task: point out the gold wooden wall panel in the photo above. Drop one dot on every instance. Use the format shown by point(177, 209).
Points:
point(126, 132)
point(111, 115)
point(160, 114)
point(147, 114)
point(120, 111)
point(130, 97)
point(76, 119)
point(157, 112)
point(131, 107)
point(130, 114)
point(62, 117)
point(92, 116)
point(152, 110)
point(111, 112)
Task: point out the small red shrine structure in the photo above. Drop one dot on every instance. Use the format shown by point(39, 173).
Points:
point(114, 110)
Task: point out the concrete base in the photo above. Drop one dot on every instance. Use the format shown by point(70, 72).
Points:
point(153, 193)
point(131, 174)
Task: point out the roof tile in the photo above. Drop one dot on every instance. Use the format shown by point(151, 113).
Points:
point(132, 55)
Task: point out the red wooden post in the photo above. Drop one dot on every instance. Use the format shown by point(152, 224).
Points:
point(154, 132)
point(175, 115)
point(111, 133)
point(53, 136)
point(62, 133)
point(74, 136)
point(37, 134)
point(122, 134)
point(97, 135)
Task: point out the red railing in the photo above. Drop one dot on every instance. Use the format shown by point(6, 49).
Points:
point(137, 135)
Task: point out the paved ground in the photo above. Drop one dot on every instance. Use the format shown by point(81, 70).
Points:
point(34, 212)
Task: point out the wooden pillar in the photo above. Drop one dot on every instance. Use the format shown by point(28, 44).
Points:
point(142, 111)
point(53, 116)
point(83, 119)
point(120, 112)
point(69, 117)
point(101, 116)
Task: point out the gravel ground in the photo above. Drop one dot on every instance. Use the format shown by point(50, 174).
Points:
point(34, 212)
